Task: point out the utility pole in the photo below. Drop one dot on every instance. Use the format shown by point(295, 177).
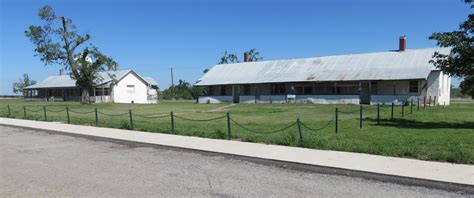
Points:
point(172, 82)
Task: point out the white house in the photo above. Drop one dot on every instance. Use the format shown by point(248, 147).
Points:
point(120, 86)
point(381, 77)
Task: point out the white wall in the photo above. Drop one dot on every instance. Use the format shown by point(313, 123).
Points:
point(438, 84)
point(273, 99)
point(152, 96)
point(329, 99)
point(123, 94)
point(317, 99)
point(247, 99)
point(396, 99)
point(215, 99)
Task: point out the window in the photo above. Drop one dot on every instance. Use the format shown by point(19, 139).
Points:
point(298, 90)
point(102, 91)
point(279, 89)
point(413, 86)
point(246, 90)
point(373, 87)
point(131, 89)
point(223, 90)
point(308, 90)
point(210, 91)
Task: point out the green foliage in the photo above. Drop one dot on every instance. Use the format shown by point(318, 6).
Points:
point(254, 55)
point(183, 90)
point(56, 42)
point(228, 58)
point(456, 92)
point(23, 82)
point(467, 86)
point(461, 62)
point(91, 62)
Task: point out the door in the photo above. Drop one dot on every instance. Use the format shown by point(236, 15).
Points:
point(236, 93)
point(364, 93)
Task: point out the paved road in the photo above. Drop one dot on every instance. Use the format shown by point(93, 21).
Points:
point(40, 164)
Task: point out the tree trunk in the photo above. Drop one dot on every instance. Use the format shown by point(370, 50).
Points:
point(85, 99)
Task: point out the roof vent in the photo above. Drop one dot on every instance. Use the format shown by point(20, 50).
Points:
point(402, 43)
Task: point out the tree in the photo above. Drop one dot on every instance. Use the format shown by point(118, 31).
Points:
point(23, 82)
point(254, 55)
point(183, 90)
point(460, 63)
point(228, 58)
point(57, 41)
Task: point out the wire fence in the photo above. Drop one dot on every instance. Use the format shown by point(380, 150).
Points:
point(260, 132)
point(328, 124)
point(200, 120)
point(231, 121)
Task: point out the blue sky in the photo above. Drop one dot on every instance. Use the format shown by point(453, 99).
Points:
point(152, 36)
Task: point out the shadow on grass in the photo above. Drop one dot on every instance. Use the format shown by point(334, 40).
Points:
point(413, 124)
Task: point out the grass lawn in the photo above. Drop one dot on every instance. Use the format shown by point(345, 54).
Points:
point(434, 133)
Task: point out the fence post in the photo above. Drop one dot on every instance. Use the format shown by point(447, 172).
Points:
point(378, 113)
point(24, 112)
point(434, 101)
point(96, 118)
point(403, 110)
point(411, 106)
point(172, 122)
point(229, 132)
point(391, 116)
point(131, 118)
point(300, 132)
point(424, 102)
point(67, 114)
point(360, 118)
point(44, 110)
point(418, 106)
point(8, 107)
point(337, 127)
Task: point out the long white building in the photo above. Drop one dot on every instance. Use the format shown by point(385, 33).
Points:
point(121, 86)
point(381, 77)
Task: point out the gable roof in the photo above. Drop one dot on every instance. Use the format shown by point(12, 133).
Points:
point(63, 81)
point(150, 81)
point(391, 65)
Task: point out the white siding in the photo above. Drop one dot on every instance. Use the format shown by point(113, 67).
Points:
point(438, 85)
point(215, 99)
point(123, 92)
point(329, 99)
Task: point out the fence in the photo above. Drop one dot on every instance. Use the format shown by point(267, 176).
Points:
point(231, 122)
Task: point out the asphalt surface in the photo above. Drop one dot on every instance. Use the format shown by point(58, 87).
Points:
point(40, 164)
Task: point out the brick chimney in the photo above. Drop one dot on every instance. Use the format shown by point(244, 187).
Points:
point(246, 57)
point(402, 43)
point(61, 72)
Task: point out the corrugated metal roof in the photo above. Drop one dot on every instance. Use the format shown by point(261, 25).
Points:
point(391, 65)
point(58, 81)
point(150, 81)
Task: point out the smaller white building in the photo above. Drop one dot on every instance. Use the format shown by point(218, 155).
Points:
point(121, 86)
